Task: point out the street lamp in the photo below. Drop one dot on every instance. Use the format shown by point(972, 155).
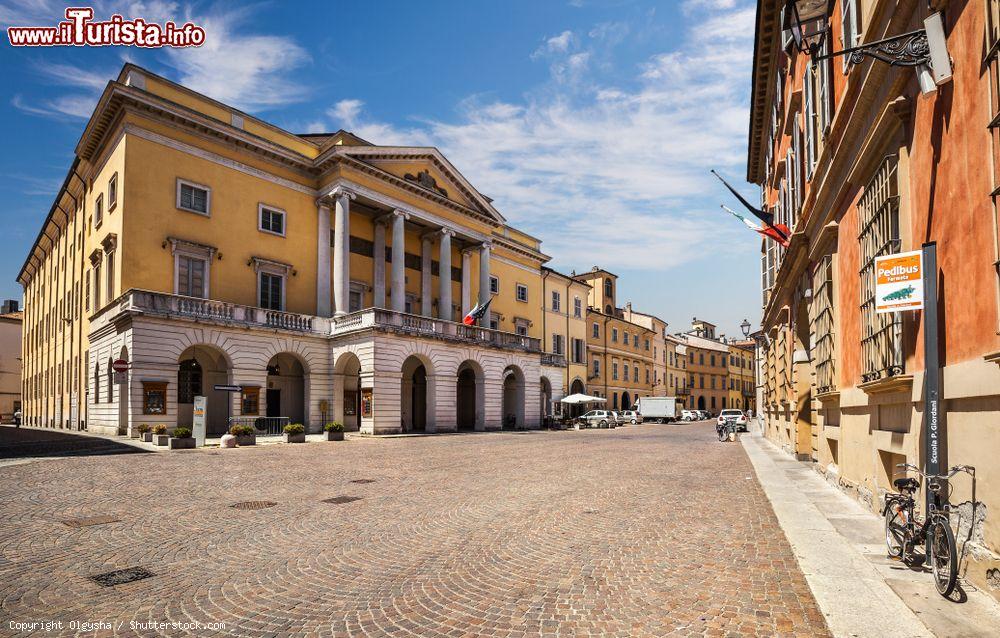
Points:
point(807, 21)
point(745, 327)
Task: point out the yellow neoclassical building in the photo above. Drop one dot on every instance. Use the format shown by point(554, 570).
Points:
point(284, 277)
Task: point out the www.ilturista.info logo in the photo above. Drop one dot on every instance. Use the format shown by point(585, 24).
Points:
point(80, 30)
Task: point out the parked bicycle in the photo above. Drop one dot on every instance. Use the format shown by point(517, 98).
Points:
point(903, 531)
point(726, 430)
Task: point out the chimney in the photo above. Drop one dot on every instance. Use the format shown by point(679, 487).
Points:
point(9, 306)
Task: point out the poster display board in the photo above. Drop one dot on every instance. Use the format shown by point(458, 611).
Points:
point(198, 422)
point(899, 282)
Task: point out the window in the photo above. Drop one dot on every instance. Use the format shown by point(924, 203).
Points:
point(494, 324)
point(111, 276)
point(881, 334)
point(86, 288)
point(614, 335)
point(647, 375)
point(555, 301)
point(812, 120)
point(521, 330)
point(824, 90)
point(154, 397)
point(97, 286)
point(355, 299)
point(635, 340)
point(579, 348)
point(191, 276)
point(596, 332)
point(647, 348)
point(625, 337)
point(557, 344)
point(635, 373)
point(99, 211)
point(193, 197)
point(614, 400)
point(626, 372)
point(701, 358)
point(250, 401)
point(522, 292)
point(821, 325)
point(271, 291)
point(609, 290)
point(270, 220)
point(712, 359)
point(577, 307)
point(597, 367)
point(494, 284)
point(112, 192)
point(614, 370)
point(849, 28)
point(188, 381)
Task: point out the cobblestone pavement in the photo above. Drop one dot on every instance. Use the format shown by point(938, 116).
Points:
point(648, 530)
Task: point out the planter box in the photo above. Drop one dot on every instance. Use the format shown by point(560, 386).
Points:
point(246, 439)
point(335, 436)
point(147, 437)
point(182, 444)
point(160, 439)
point(295, 438)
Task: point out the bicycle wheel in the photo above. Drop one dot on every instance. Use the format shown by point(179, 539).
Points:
point(895, 530)
point(943, 555)
point(722, 434)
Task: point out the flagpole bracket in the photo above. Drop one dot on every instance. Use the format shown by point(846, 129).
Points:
point(909, 49)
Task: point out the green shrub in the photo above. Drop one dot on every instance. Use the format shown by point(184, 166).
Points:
point(242, 430)
point(143, 428)
point(334, 426)
point(159, 429)
point(182, 433)
point(295, 428)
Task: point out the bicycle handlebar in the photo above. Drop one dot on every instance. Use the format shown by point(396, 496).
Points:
point(955, 469)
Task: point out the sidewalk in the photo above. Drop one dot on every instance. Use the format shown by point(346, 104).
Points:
point(841, 549)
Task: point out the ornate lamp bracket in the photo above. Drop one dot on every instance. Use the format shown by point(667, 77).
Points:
point(909, 49)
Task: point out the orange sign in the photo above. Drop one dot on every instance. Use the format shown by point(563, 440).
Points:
point(899, 283)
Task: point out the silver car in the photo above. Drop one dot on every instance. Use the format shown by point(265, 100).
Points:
point(598, 419)
point(631, 416)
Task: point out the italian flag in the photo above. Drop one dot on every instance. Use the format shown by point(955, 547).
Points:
point(777, 232)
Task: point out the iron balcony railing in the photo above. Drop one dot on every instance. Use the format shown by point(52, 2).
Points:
point(552, 359)
point(390, 320)
point(263, 425)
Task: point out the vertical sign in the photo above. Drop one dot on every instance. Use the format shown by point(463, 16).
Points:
point(74, 411)
point(933, 434)
point(366, 403)
point(198, 423)
point(899, 283)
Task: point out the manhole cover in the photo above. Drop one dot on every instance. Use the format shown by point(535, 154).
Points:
point(90, 520)
point(122, 576)
point(340, 500)
point(363, 481)
point(253, 505)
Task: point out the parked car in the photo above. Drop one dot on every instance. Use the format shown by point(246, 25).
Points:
point(619, 419)
point(688, 415)
point(631, 416)
point(736, 416)
point(597, 419)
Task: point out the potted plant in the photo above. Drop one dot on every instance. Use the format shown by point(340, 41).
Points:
point(334, 431)
point(182, 439)
point(160, 436)
point(295, 433)
point(145, 432)
point(245, 434)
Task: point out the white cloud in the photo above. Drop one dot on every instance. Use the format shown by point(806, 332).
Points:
point(616, 175)
point(345, 112)
point(555, 44)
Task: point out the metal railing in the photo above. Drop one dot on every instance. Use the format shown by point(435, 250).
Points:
point(382, 319)
point(264, 425)
point(553, 359)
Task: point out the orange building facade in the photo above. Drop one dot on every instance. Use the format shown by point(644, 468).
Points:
point(860, 164)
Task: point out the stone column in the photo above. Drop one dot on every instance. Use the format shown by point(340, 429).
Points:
point(444, 277)
point(426, 289)
point(484, 281)
point(342, 250)
point(398, 261)
point(323, 260)
point(466, 281)
point(379, 260)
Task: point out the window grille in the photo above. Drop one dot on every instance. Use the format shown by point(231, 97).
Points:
point(881, 334)
point(821, 325)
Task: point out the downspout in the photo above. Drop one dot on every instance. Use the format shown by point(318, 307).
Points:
point(607, 368)
point(82, 392)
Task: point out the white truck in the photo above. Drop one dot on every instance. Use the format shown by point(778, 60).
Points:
point(659, 409)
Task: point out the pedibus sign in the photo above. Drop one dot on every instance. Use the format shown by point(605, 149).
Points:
point(899, 283)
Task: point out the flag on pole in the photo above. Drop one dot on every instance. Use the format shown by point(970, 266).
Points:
point(477, 313)
point(770, 228)
point(778, 232)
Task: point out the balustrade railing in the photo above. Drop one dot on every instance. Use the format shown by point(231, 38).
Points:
point(417, 324)
point(211, 309)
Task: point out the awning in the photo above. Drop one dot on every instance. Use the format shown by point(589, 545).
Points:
point(575, 399)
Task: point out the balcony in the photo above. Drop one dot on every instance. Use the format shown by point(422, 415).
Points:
point(400, 322)
point(682, 391)
point(210, 310)
point(555, 360)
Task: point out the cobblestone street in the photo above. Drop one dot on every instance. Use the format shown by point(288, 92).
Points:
point(642, 531)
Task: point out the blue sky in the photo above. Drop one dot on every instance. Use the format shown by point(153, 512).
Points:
point(592, 123)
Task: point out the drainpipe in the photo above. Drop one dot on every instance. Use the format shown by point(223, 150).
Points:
point(607, 368)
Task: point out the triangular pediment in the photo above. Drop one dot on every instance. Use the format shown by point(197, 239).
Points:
point(427, 170)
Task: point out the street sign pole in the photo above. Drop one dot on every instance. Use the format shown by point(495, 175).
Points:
point(933, 428)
